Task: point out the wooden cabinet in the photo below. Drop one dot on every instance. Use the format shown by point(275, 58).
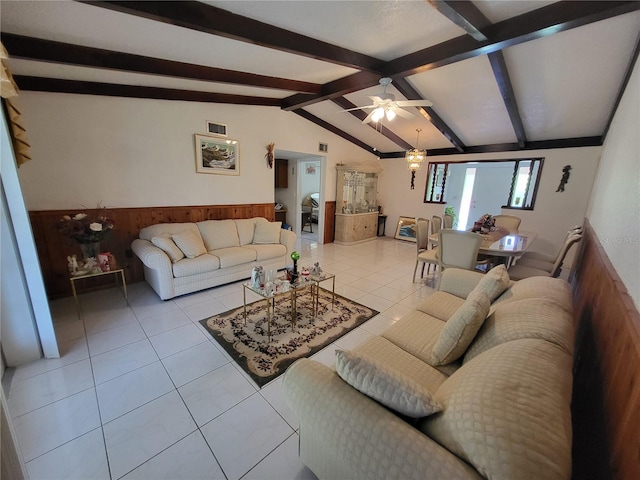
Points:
point(357, 203)
point(282, 173)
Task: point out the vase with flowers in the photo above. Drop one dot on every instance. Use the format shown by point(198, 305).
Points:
point(86, 229)
point(485, 224)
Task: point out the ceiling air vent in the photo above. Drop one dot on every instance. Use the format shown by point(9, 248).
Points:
point(217, 129)
point(323, 147)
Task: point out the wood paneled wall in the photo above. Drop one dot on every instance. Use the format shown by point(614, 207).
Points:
point(53, 248)
point(607, 366)
point(329, 221)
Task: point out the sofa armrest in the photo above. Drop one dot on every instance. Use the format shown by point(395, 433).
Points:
point(152, 257)
point(459, 282)
point(288, 239)
point(345, 434)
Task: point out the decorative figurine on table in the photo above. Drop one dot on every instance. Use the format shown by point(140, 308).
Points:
point(73, 263)
point(316, 270)
point(295, 256)
point(257, 277)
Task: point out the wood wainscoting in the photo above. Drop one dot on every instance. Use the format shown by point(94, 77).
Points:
point(53, 248)
point(329, 221)
point(606, 399)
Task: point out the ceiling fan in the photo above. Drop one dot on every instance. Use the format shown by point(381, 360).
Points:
point(385, 104)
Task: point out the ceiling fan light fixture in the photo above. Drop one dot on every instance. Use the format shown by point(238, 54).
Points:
point(415, 158)
point(390, 114)
point(377, 114)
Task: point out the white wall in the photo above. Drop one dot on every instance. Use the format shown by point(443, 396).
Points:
point(124, 152)
point(554, 213)
point(614, 209)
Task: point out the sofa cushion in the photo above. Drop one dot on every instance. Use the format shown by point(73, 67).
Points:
point(219, 234)
point(158, 229)
point(540, 318)
point(190, 243)
point(494, 283)
point(232, 256)
point(415, 333)
point(165, 243)
point(268, 232)
point(460, 330)
point(192, 266)
point(441, 305)
point(245, 227)
point(392, 388)
point(539, 287)
point(267, 252)
point(507, 412)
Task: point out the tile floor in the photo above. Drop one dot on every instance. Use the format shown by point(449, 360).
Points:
point(143, 392)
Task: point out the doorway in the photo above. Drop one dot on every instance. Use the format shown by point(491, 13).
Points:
point(303, 197)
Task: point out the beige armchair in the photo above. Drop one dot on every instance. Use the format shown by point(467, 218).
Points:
point(540, 268)
point(458, 249)
point(508, 222)
point(424, 256)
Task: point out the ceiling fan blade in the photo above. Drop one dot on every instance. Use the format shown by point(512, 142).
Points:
point(368, 118)
point(403, 113)
point(358, 108)
point(414, 103)
point(376, 100)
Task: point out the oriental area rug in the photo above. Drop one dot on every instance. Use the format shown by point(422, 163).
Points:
point(263, 360)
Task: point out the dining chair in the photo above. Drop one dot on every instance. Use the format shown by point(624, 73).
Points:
point(436, 225)
point(457, 249)
point(543, 261)
point(447, 221)
point(520, 271)
point(424, 256)
point(508, 222)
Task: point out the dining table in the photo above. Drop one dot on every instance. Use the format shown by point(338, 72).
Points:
point(501, 243)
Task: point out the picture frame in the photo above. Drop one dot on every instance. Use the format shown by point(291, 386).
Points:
point(215, 155)
point(406, 229)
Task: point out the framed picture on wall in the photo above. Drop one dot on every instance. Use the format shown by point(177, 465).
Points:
point(406, 229)
point(217, 155)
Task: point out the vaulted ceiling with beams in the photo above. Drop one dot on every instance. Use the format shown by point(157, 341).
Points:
point(501, 74)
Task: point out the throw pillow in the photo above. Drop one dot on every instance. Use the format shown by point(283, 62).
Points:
point(391, 388)
point(460, 330)
point(168, 246)
point(190, 244)
point(267, 232)
point(495, 282)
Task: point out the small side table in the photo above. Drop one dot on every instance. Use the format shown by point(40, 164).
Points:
point(382, 222)
point(115, 272)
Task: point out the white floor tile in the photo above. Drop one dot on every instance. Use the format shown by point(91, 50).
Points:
point(153, 306)
point(113, 338)
point(107, 319)
point(164, 322)
point(377, 303)
point(193, 298)
point(49, 427)
point(35, 392)
point(83, 458)
point(327, 355)
point(185, 366)
point(177, 340)
point(390, 293)
point(131, 390)
point(122, 360)
point(396, 311)
point(244, 435)
point(70, 352)
point(353, 338)
point(136, 437)
point(214, 393)
point(282, 463)
point(274, 394)
point(188, 459)
point(70, 329)
point(200, 311)
point(378, 324)
point(232, 300)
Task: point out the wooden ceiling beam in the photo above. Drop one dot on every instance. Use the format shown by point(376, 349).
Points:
point(360, 115)
point(216, 21)
point(40, 84)
point(410, 93)
point(464, 14)
point(49, 51)
point(327, 126)
point(543, 22)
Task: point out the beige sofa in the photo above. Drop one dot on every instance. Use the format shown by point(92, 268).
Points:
point(181, 258)
point(398, 406)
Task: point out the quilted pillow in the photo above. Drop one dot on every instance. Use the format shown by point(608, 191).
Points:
point(168, 246)
point(190, 244)
point(267, 232)
point(391, 388)
point(495, 282)
point(460, 330)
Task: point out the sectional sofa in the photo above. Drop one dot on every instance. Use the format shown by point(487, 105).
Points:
point(473, 383)
point(181, 258)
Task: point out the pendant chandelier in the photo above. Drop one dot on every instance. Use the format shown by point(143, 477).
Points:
point(415, 158)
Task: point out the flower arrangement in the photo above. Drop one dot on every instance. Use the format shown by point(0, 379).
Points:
point(84, 228)
point(487, 221)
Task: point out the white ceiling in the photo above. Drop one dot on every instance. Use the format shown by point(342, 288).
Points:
point(565, 84)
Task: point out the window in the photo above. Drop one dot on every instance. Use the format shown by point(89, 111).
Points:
point(519, 188)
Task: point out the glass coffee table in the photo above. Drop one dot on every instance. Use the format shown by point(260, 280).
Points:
point(294, 290)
